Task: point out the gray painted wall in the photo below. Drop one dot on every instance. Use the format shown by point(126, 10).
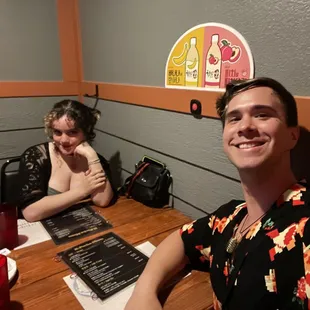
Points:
point(129, 42)
point(21, 124)
point(201, 180)
point(30, 51)
point(135, 40)
point(30, 48)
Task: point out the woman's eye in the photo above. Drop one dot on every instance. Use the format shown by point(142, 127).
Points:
point(56, 132)
point(72, 132)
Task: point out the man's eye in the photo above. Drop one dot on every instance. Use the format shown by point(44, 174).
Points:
point(262, 115)
point(233, 119)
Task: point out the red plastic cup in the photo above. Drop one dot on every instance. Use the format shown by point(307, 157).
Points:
point(4, 284)
point(8, 226)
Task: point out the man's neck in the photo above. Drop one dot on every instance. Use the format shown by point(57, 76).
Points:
point(261, 188)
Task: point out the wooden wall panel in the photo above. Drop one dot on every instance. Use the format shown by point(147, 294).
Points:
point(174, 99)
point(37, 89)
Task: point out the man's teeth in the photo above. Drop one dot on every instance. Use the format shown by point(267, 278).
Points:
point(248, 145)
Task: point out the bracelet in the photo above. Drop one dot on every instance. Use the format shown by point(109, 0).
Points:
point(96, 161)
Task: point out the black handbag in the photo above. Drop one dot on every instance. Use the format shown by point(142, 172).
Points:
point(149, 184)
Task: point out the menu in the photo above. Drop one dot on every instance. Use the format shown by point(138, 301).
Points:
point(74, 223)
point(106, 264)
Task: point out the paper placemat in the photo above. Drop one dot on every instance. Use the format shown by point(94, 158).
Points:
point(31, 233)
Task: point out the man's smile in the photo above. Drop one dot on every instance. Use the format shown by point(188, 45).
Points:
point(249, 144)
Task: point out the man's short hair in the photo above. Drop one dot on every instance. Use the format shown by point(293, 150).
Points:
point(235, 87)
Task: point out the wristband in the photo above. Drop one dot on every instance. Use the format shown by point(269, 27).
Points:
point(96, 161)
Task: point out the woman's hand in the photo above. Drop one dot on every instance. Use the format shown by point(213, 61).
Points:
point(85, 150)
point(92, 181)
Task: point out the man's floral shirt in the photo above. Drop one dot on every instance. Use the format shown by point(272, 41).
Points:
point(270, 268)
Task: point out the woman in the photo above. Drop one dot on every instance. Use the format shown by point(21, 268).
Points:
point(56, 175)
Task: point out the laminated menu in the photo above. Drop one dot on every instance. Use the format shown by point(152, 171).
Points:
point(106, 264)
point(74, 223)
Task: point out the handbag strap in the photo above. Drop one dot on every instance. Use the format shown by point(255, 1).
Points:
point(122, 190)
point(139, 171)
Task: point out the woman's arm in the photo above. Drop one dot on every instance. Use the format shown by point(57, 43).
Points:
point(34, 174)
point(103, 195)
point(51, 205)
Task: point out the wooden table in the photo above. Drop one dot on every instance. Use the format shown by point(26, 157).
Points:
point(40, 283)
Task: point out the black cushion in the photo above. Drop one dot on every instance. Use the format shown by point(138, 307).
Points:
point(9, 180)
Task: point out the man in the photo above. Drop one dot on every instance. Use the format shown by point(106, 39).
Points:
point(257, 251)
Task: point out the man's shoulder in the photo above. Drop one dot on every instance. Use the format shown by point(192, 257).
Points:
point(305, 191)
point(229, 208)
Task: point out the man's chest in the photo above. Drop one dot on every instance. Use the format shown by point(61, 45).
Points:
point(265, 265)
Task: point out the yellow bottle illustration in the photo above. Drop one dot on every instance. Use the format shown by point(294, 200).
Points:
point(213, 64)
point(192, 65)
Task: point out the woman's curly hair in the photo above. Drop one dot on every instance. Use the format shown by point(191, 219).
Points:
point(84, 117)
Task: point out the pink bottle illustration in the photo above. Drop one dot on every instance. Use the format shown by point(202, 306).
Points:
point(213, 64)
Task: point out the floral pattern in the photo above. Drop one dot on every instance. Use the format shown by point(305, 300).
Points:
point(285, 239)
point(188, 227)
point(270, 281)
point(220, 224)
point(271, 264)
point(253, 230)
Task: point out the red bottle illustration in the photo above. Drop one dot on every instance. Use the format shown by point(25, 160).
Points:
point(213, 63)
